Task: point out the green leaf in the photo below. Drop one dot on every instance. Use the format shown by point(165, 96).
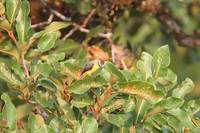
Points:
point(68, 113)
point(52, 58)
point(54, 124)
point(144, 65)
point(66, 46)
point(140, 88)
point(23, 22)
point(80, 101)
point(66, 131)
point(48, 84)
point(56, 25)
point(116, 119)
point(42, 99)
point(12, 7)
point(45, 69)
point(2, 9)
point(18, 71)
point(4, 24)
point(167, 78)
point(183, 117)
point(161, 59)
point(140, 110)
point(36, 124)
point(77, 128)
point(114, 70)
point(23, 110)
point(47, 41)
point(184, 88)
point(7, 75)
point(90, 125)
point(129, 105)
point(31, 124)
point(164, 105)
point(173, 122)
point(9, 111)
point(82, 86)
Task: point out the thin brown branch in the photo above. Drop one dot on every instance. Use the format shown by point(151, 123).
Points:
point(10, 34)
point(54, 12)
point(12, 37)
point(23, 63)
point(60, 15)
point(85, 22)
point(25, 68)
point(50, 19)
point(70, 33)
point(173, 27)
point(77, 27)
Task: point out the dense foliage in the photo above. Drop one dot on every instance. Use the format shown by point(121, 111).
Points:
point(44, 87)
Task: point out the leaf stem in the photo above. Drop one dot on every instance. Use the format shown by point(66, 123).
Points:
point(11, 35)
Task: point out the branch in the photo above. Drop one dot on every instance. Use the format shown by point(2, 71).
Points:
point(54, 12)
point(85, 22)
point(43, 23)
point(172, 26)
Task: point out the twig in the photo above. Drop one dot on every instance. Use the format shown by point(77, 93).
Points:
point(85, 22)
point(44, 23)
point(70, 33)
point(11, 35)
point(172, 26)
point(59, 15)
point(54, 12)
point(77, 27)
point(23, 63)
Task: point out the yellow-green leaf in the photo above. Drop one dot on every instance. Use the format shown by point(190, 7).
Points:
point(140, 88)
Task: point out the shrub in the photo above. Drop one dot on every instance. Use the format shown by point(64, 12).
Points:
point(44, 91)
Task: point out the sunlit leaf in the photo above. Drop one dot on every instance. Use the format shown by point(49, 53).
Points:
point(164, 105)
point(144, 65)
point(45, 69)
point(116, 119)
point(69, 115)
point(56, 25)
point(113, 70)
point(140, 110)
point(47, 41)
point(5, 25)
point(56, 57)
point(12, 7)
point(48, 84)
point(183, 89)
point(7, 75)
point(90, 125)
point(82, 86)
point(183, 117)
point(81, 101)
point(9, 111)
point(167, 78)
point(23, 22)
point(161, 59)
point(2, 8)
point(140, 88)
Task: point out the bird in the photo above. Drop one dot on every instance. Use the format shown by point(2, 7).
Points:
point(91, 67)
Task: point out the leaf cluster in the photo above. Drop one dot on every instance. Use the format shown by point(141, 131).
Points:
point(42, 90)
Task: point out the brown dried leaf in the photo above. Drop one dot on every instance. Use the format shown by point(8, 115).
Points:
point(150, 6)
point(97, 53)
